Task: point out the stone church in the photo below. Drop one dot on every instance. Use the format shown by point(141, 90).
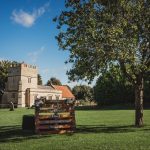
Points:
point(22, 88)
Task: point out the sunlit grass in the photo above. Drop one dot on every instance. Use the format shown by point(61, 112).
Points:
point(96, 129)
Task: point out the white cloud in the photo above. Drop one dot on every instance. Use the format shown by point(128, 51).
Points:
point(35, 55)
point(27, 19)
point(45, 71)
point(23, 18)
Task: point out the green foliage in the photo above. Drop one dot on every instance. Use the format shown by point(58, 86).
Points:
point(113, 88)
point(4, 65)
point(98, 33)
point(53, 81)
point(83, 92)
point(39, 80)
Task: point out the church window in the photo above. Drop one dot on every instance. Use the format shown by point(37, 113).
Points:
point(57, 97)
point(50, 97)
point(29, 80)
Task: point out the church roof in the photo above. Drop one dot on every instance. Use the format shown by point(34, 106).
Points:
point(45, 87)
point(66, 93)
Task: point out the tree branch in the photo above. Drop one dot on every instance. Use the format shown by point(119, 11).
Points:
point(123, 69)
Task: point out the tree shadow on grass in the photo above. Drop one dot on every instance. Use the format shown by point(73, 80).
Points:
point(16, 134)
point(103, 108)
point(107, 129)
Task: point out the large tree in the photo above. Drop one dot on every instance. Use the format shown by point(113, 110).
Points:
point(98, 33)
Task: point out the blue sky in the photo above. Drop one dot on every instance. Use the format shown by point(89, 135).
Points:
point(27, 33)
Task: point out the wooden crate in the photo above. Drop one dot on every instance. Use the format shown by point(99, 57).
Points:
point(55, 116)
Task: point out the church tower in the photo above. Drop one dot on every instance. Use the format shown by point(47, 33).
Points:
point(21, 77)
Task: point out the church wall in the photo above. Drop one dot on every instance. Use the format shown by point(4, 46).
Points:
point(13, 83)
point(48, 94)
point(21, 99)
point(21, 78)
point(13, 78)
point(10, 97)
point(28, 76)
point(29, 70)
point(37, 93)
point(28, 82)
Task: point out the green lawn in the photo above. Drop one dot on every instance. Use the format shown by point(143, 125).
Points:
point(96, 129)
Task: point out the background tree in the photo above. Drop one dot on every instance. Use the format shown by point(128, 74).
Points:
point(4, 65)
point(113, 88)
point(54, 81)
point(39, 80)
point(98, 33)
point(83, 92)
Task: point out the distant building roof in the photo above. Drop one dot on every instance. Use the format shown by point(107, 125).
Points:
point(45, 87)
point(66, 93)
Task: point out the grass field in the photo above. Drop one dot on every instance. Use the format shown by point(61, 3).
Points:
point(96, 130)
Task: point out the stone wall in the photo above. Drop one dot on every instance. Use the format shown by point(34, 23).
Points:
point(47, 93)
point(28, 76)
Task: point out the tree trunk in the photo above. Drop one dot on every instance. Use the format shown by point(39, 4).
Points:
point(139, 103)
